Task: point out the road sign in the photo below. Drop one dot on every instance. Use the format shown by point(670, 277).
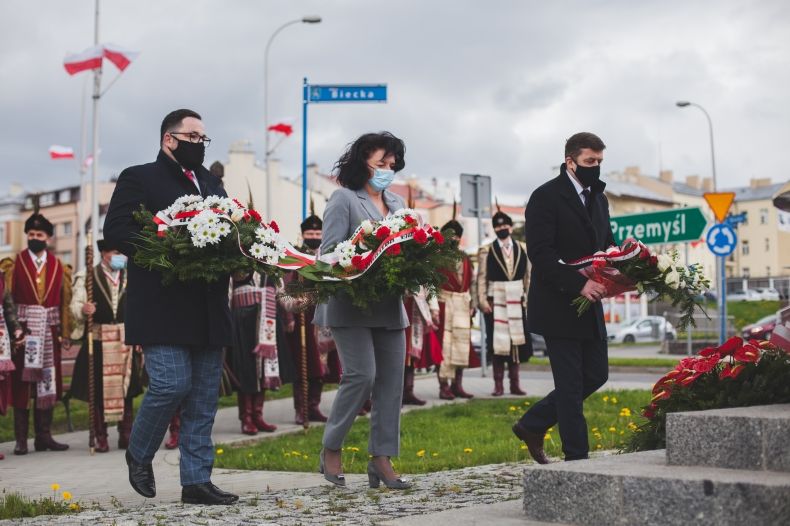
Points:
point(347, 93)
point(720, 203)
point(735, 220)
point(475, 194)
point(721, 239)
point(666, 226)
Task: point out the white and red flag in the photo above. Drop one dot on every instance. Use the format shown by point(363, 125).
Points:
point(92, 58)
point(88, 59)
point(282, 127)
point(61, 152)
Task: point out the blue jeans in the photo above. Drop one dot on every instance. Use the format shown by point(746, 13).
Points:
point(190, 377)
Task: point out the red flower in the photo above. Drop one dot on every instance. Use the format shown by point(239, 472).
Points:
point(274, 226)
point(255, 215)
point(420, 237)
point(668, 379)
point(708, 351)
point(703, 365)
point(730, 346)
point(688, 380)
point(653, 261)
point(394, 250)
point(358, 262)
point(409, 220)
point(731, 371)
point(661, 395)
point(650, 411)
point(644, 254)
point(599, 263)
point(747, 354)
point(247, 217)
point(382, 233)
point(438, 237)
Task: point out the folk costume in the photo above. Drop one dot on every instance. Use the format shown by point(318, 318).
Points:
point(9, 325)
point(456, 304)
point(40, 286)
point(421, 342)
point(502, 284)
point(117, 367)
point(318, 345)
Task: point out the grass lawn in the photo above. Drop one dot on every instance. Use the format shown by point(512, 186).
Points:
point(746, 312)
point(79, 412)
point(14, 505)
point(448, 437)
point(621, 362)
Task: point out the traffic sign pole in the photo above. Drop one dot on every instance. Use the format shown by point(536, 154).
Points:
point(305, 99)
point(723, 302)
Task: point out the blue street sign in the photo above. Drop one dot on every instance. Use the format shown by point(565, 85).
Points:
point(721, 239)
point(347, 93)
point(735, 220)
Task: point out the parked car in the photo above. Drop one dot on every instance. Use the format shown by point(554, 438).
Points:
point(761, 329)
point(745, 295)
point(538, 343)
point(642, 329)
point(768, 294)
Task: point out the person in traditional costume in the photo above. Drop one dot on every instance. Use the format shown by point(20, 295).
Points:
point(306, 340)
point(117, 367)
point(40, 286)
point(252, 360)
point(11, 339)
point(502, 284)
point(423, 314)
point(456, 308)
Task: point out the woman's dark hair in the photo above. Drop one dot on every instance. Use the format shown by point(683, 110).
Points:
point(352, 169)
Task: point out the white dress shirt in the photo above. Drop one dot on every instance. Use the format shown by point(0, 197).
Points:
point(579, 188)
point(39, 261)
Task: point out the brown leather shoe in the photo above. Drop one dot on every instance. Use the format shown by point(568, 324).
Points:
point(534, 443)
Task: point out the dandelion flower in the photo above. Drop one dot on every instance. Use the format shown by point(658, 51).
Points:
point(74, 506)
point(614, 399)
point(249, 455)
point(220, 451)
point(434, 454)
point(513, 408)
point(599, 446)
point(526, 402)
point(467, 450)
point(523, 446)
point(605, 398)
point(421, 453)
point(66, 495)
point(612, 429)
point(547, 436)
point(55, 487)
point(594, 430)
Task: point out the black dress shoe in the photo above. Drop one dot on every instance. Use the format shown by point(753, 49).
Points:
point(534, 443)
point(141, 477)
point(206, 493)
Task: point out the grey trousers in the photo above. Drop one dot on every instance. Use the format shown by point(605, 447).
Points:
point(372, 361)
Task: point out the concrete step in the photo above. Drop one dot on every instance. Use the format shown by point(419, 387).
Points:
point(754, 438)
point(639, 488)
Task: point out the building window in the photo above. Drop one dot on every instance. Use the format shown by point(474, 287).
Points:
point(46, 199)
point(65, 196)
point(67, 228)
point(767, 244)
point(763, 216)
point(745, 247)
point(746, 272)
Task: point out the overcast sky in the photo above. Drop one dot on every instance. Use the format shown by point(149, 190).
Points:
point(491, 87)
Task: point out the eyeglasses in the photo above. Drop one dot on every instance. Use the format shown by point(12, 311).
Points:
point(194, 137)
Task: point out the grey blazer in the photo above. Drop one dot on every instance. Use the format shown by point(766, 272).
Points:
point(345, 211)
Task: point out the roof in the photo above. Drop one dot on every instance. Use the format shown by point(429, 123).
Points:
point(683, 188)
point(623, 189)
point(758, 193)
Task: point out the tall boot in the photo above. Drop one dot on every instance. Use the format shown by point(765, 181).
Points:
point(512, 371)
point(314, 390)
point(498, 364)
point(257, 413)
point(444, 389)
point(458, 385)
point(21, 426)
point(299, 402)
point(125, 425)
point(408, 388)
point(42, 422)
point(100, 431)
point(245, 403)
point(175, 429)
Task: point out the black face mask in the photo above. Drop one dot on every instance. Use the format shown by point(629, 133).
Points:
point(503, 234)
point(190, 155)
point(36, 245)
point(312, 243)
point(587, 175)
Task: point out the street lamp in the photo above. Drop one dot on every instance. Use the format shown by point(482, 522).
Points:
point(303, 20)
point(685, 103)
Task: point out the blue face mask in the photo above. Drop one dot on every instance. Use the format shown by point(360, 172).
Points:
point(117, 262)
point(381, 179)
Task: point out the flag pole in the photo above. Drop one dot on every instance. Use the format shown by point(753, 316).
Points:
point(83, 188)
point(95, 164)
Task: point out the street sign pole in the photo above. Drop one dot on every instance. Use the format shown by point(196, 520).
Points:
point(305, 100)
point(481, 319)
point(723, 301)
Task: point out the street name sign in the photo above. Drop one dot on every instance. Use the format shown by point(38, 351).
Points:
point(320, 93)
point(666, 226)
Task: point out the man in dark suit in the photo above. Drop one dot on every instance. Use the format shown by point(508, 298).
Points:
point(567, 218)
point(182, 327)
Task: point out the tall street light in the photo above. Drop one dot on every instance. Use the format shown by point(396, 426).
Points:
point(303, 20)
point(720, 261)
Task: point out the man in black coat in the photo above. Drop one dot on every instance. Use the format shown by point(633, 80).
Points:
point(567, 218)
point(182, 327)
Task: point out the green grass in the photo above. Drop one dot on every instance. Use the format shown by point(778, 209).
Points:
point(746, 312)
point(621, 362)
point(14, 505)
point(447, 437)
point(79, 412)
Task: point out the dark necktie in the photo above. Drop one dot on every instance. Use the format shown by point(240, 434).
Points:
point(587, 201)
point(191, 176)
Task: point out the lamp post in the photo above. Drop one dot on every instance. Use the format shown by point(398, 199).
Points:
point(303, 20)
point(720, 261)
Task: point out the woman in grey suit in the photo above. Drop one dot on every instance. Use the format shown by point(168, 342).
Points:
point(371, 343)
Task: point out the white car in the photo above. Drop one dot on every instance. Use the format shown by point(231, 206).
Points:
point(768, 294)
point(643, 329)
point(745, 295)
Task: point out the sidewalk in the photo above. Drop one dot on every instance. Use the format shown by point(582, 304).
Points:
point(103, 477)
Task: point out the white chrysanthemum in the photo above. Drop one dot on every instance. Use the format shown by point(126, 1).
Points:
point(223, 229)
point(367, 226)
point(257, 250)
